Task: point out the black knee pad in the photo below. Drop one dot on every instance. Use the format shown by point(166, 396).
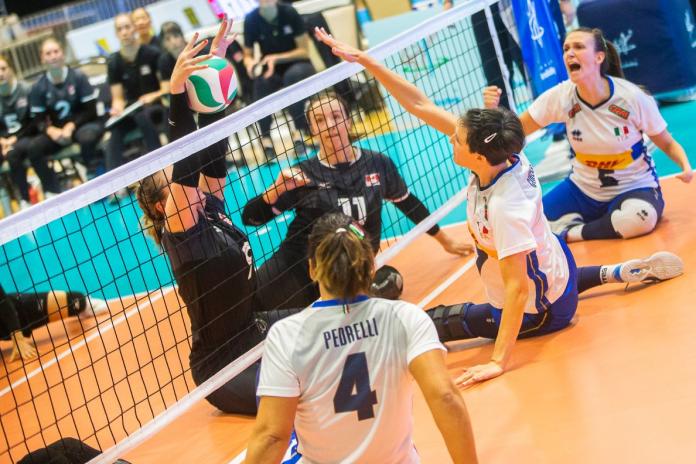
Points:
point(450, 322)
point(387, 283)
point(77, 303)
point(265, 319)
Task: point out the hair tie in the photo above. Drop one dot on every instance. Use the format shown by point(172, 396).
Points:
point(357, 231)
point(490, 137)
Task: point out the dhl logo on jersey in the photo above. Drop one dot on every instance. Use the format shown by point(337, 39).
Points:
point(617, 161)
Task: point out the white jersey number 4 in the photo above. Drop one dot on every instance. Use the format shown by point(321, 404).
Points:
point(354, 392)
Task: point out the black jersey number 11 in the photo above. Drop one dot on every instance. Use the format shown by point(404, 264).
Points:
point(355, 378)
point(354, 207)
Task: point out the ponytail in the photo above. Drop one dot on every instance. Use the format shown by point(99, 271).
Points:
point(342, 256)
point(149, 193)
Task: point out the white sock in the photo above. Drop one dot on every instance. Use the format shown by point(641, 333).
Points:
point(611, 273)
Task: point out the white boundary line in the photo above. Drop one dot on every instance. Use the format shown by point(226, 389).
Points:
point(98, 332)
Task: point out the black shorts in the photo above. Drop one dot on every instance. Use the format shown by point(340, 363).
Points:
point(32, 311)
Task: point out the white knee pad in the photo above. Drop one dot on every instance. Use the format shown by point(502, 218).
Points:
point(562, 223)
point(634, 218)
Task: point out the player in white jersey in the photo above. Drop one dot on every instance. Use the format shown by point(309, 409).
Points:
point(341, 370)
point(529, 275)
point(613, 190)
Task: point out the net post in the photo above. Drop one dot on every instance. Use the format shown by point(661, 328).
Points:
point(499, 55)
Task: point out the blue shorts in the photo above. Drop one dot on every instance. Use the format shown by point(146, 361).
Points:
point(567, 198)
point(483, 320)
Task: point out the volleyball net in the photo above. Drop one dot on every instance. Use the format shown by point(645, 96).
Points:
point(104, 379)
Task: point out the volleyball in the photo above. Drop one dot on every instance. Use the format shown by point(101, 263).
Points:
point(212, 89)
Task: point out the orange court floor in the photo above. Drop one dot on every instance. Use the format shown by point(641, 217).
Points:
point(618, 385)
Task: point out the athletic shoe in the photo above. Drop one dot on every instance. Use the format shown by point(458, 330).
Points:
point(94, 307)
point(24, 204)
point(662, 265)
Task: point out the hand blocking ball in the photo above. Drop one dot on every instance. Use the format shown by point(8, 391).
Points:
point(212, 89)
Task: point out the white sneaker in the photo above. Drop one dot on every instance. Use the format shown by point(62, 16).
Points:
point(24, 204)
point(662, 265)
point(94, 307)
point(48, 195)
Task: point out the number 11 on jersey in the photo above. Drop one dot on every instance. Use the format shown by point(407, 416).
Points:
point(354, 392)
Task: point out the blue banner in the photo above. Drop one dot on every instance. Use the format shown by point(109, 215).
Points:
point(541, 48)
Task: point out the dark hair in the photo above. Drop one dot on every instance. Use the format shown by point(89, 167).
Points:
point(150, 191)
point(342, 256)
point(324, 96)
point(611, 66)
point(170, 28)
point(494, 133)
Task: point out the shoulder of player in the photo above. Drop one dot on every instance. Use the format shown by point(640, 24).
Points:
point(23, 88)
point(287, 9)
point(289, 329)
point(629, 91)
point(370, 157)
point(149, 52)
point(512, 190)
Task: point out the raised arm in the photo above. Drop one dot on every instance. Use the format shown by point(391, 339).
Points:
point(491, 100)
point(184, 201)
point(407, 94)
point(446, 404)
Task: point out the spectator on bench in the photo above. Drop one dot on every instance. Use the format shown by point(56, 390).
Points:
point(143, 26)
point(132, 77)
point(284, 43)
point(16, 131)
point(65, 106)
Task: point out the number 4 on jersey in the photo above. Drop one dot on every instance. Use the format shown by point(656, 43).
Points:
point(354, 393)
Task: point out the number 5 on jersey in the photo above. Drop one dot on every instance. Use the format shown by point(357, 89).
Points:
point(354, 392)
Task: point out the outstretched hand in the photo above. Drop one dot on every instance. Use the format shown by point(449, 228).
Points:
point(187, 63)
point(22, 348)
point(478, 373)
point(223, 39)
point(686, 175)
point(340, 49)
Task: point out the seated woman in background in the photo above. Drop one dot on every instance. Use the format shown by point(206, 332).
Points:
point(17, 134)
point(21, 313)
point(613, 190)
point(340, 178)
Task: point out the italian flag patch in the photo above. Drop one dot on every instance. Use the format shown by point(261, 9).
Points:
point(619, 131)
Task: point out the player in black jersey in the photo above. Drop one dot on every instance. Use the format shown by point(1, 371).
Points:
point(21, 313)
point(210, 257)
point(341, 178)
point(132, 76)
point(65, 106)
point(17, 132)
